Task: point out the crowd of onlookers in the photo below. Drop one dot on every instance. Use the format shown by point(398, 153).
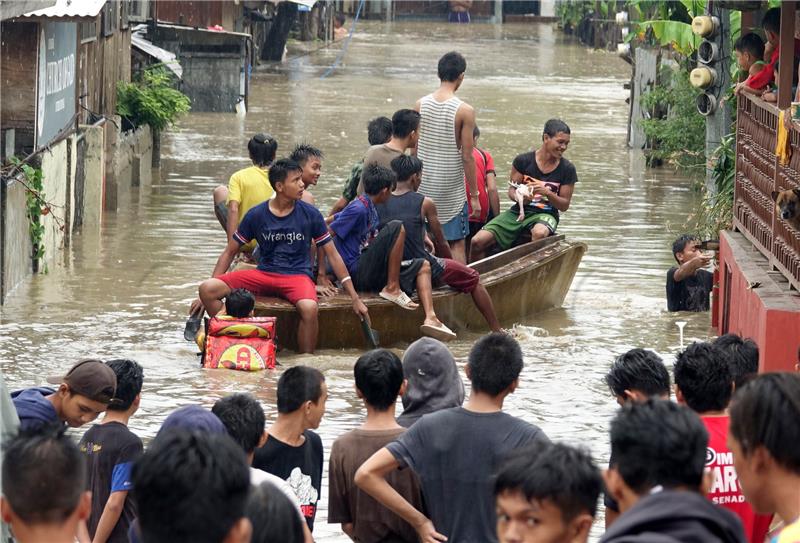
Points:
point(720, 463)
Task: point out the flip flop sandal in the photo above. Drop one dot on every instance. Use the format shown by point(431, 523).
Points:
point(401, 299)
point(193, 325)
point(442, 333)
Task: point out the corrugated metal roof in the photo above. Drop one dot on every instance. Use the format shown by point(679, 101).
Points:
point(169, 59)
point(70, 9)
point(9, 10)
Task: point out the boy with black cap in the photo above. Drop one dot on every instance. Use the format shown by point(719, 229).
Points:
point(82, 394)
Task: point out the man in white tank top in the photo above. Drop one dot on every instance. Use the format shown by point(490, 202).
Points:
point(445, 147)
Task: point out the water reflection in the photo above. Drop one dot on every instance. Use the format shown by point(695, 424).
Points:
point(124, 287)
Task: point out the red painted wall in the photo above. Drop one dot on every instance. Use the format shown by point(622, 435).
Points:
point(767, 315)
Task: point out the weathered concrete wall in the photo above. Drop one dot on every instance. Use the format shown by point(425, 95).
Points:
point(58, 173)
point(94, 175)
point(212, 82)
point(130, 166)
point(15, 252)
point(107, 181)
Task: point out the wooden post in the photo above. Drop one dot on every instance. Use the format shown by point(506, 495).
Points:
point(748, 22)
point(786, 56)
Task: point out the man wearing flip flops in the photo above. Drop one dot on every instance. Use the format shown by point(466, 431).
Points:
point(375, 259)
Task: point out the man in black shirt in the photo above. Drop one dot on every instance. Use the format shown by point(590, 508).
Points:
point(551, 179)
point(688, 285)
point(292, 451)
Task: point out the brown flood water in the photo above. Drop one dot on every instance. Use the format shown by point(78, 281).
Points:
point(125, 287)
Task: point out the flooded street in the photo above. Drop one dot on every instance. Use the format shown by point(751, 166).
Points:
point(125, 288)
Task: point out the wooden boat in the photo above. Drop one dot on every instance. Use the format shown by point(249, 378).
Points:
point(523, 280)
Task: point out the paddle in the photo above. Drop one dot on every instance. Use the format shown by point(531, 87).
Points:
point(371, 335)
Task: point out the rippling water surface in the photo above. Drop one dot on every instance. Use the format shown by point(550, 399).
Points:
point(125, 286)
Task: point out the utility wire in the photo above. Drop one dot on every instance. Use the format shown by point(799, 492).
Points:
point(339, 58)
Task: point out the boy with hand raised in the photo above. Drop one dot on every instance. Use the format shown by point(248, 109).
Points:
point(284, 228)
point(378, 380)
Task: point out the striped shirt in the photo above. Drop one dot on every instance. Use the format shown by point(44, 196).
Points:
point(443, 171)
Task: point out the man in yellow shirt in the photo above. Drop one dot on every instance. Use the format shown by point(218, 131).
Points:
point(247, 187)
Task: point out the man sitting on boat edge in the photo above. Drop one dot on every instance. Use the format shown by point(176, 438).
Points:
point(552, 179)
point(415, 210)
point(375, 259)
point(284, 228)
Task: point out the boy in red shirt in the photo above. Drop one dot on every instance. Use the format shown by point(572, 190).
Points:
point(487, 187)
point(704, 383)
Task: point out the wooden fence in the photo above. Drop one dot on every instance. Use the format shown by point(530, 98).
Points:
point(758, 174)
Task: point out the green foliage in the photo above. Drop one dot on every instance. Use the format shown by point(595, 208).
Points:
point(679, 135)
point(716, 212)
point(572, 12)
point(152, 99)
point(36, 206)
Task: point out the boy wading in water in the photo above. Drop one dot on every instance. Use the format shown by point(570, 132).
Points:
point(552, 179)
point(284, 228)
point(379, 380)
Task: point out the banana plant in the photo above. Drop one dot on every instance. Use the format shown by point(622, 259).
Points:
point(670, 32)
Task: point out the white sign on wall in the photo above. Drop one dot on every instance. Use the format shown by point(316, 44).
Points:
point(56, 82)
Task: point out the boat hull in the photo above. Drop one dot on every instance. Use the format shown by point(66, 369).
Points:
point(521, 281)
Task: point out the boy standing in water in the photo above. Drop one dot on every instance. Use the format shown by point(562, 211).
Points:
point(293, 451)
point(379, 380)
point(284, 228)
point(454, 452)
point(448, 153)
point(111, 449)
point(688, 284)
point(704, 383)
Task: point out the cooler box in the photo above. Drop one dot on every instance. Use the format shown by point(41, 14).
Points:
point(246, 344)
